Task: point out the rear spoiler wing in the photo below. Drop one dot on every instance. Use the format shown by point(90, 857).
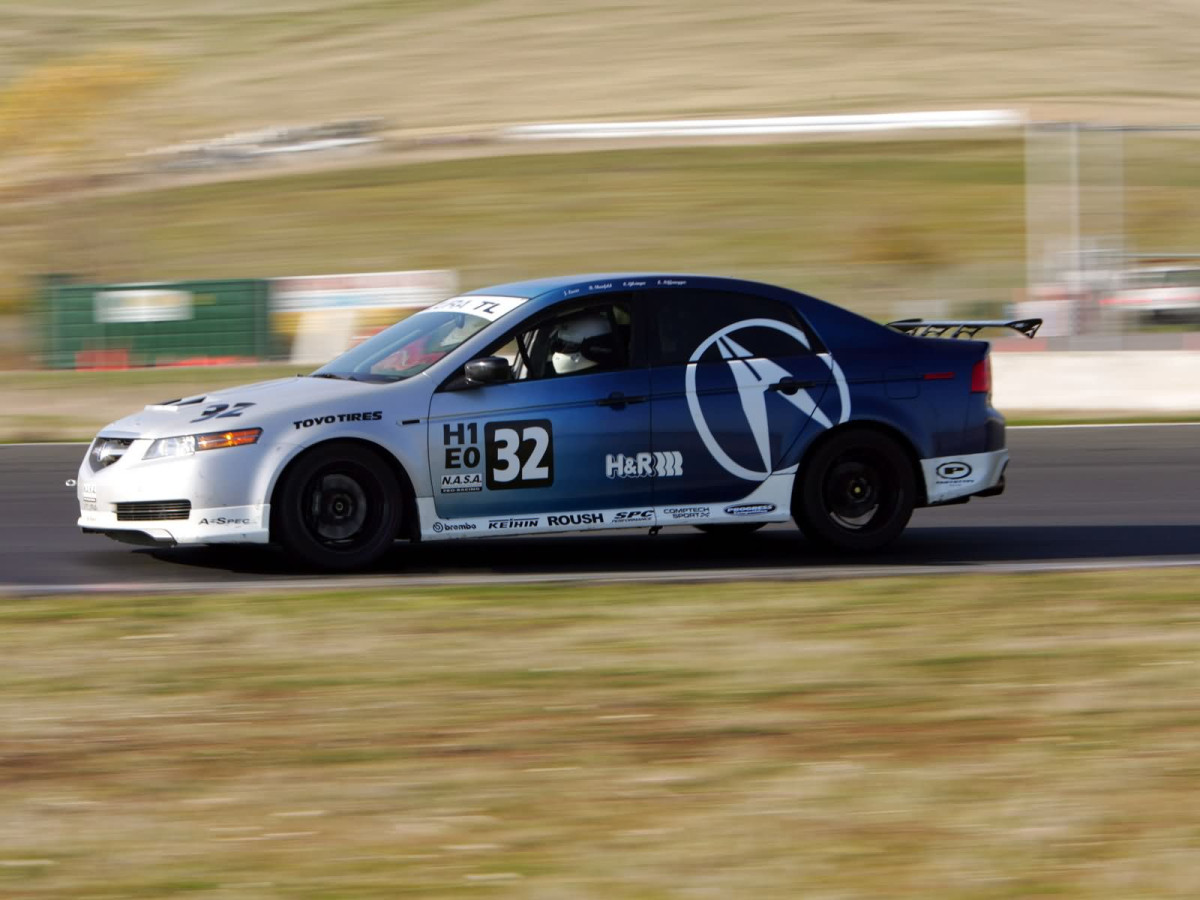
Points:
point(938, 328)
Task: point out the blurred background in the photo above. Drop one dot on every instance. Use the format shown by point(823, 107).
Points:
point(207, 147)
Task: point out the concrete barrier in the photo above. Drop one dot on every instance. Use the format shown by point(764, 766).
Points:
point(1136, 382)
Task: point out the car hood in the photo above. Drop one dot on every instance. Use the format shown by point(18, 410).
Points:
point(260, 404)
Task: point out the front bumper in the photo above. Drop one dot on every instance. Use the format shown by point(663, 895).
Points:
point(223, 488)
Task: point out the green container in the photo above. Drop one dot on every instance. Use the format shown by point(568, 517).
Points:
point(154, 324)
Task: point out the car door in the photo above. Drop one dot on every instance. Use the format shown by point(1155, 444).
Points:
point(539, 452)
point(735, 380)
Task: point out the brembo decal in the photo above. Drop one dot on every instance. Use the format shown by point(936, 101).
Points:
point(753, 382)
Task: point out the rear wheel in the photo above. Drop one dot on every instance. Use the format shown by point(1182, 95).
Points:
point(339, 508)
point(855, 493)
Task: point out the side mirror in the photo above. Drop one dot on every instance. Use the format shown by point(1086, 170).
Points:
point(488, 370)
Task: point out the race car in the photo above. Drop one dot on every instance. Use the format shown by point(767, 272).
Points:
point(565, 404)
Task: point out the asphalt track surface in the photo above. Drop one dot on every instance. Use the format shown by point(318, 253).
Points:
point(1078, 498)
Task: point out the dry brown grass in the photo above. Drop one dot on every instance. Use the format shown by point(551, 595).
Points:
point(425, 64)
point(968, 737)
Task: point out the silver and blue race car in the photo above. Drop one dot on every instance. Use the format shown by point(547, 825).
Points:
point(566, 404)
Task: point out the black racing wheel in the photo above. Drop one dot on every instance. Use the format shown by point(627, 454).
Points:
point(339, 507)
point(856, 492)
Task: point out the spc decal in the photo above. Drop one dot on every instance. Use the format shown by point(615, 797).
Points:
point(373, 416)
point(634, 515)
point(663, 464)
point(755, 377)
point(519, 454)
point(687, 512)
point(461, 452)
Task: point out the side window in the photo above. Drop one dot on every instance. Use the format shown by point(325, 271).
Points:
point(577, 341)
point(685, 319)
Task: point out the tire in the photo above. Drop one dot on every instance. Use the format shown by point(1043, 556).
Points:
point(731, 529)
point(855, 493)
point(338, 508)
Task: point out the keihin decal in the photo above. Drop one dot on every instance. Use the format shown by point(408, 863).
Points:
point(511, 523)
point(663, 464)
point(753, 380)
point(750, 509)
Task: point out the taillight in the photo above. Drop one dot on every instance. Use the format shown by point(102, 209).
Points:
point(981, 376)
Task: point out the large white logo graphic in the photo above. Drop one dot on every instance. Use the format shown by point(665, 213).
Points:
point(754, 376)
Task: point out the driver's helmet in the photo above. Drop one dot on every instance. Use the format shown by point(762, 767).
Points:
point(567, 342)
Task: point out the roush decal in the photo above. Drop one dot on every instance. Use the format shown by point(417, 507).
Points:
point(373, 416)
point(750, 509)
point(754, 377)
point(519, 454)
point(592, 518)
point(663, 464)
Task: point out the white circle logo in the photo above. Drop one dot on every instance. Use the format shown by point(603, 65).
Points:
point(754, 376)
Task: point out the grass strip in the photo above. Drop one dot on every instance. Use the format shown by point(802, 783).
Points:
point(962, 737)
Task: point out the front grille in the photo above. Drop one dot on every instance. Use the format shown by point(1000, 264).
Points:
point(154, 510)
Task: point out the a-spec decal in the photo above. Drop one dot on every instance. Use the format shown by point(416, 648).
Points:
point(518, 454)
point(222, 411)
point(485, 307)
point(753, 381)
point(372, 416)
point(664, 464)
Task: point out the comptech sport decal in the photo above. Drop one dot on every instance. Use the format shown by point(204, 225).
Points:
point(754, 377)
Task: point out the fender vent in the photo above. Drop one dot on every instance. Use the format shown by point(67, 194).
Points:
point(154, 511)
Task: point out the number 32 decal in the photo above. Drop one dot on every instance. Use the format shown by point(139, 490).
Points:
point(519, 454)
point(218, 411)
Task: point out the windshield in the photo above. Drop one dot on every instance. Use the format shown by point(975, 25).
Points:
point(416, 343)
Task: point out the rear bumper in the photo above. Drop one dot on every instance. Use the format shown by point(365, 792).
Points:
point(952, 477)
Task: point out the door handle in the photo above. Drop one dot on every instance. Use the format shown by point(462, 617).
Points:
point(617, 400)
point(790, 385)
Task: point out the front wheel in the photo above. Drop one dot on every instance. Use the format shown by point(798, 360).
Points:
point(338, 508)
point(855, 493)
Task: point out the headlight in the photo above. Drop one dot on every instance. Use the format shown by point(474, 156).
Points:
point(188, 444)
